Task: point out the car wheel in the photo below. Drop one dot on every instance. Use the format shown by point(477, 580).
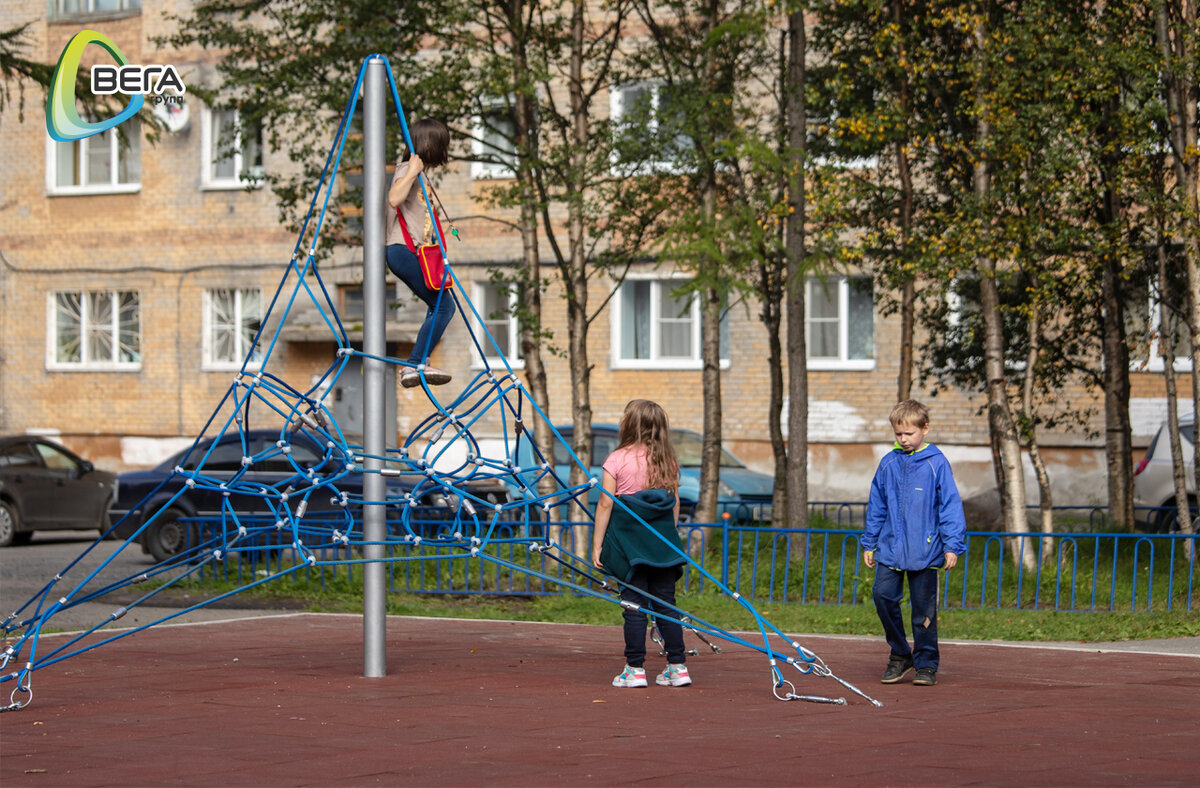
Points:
point(1168, 519)
point(8, 525)
point(1164, 522)
point(168, 535)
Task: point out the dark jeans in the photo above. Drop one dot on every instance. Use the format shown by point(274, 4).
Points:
point(923, 593)
point(660, 583)
point(404, 264)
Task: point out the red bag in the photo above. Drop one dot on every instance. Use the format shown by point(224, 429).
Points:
point(433, 265)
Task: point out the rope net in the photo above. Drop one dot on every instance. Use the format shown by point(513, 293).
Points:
point(440, 488)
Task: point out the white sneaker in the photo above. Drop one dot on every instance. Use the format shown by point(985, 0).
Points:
point(631, 677)
point(411, 377)
point(674, 676)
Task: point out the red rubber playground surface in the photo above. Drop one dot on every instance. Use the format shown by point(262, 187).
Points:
point(281, 700)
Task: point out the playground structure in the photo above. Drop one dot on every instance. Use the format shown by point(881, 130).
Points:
point(441, 455)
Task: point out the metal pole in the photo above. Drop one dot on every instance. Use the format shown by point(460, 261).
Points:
point(375, 346)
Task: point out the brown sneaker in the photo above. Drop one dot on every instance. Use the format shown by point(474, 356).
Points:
point(411, 378)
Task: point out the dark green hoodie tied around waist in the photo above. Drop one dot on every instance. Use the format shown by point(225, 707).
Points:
point(629, 543)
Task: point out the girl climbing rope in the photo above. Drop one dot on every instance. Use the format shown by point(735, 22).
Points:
point(430, 149)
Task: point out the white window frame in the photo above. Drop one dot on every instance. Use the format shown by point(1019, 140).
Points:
point(487, 170)
point(513, 351)
point(1155, 362)
point(88, 8)
point(111, 138)
point(86, 364)
point(207, 179)
point(657, 282)
point(616, 110)
point(208, 326)
point(843, 296)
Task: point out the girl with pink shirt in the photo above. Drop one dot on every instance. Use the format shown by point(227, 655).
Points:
point(643, 552)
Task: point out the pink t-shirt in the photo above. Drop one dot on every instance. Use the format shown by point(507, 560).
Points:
point(630, 466)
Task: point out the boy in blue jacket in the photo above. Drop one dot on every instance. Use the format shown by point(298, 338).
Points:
point(915, 525)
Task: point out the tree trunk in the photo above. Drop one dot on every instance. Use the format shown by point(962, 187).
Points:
point(797, 125)
point(710, 322)
point(773, 273)
point(1001, 427)
point(1045, 496)
point(1177, 25)
point(1118, 438)
point(1167, 351)
point(710, 455)
point(577, 280)
point(908, 294)
point(1000, 420)
point(773, 319)
point(531, 290)
point(710, 380)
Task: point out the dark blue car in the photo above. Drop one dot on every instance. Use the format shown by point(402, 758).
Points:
point(318, 477)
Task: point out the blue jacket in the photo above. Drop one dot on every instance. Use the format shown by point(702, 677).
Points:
point(914, 514)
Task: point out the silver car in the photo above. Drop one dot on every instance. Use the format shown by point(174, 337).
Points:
point(1153, 483)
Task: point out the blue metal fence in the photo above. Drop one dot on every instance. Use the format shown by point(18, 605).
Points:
point(1085, 571)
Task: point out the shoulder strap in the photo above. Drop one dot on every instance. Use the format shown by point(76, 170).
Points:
point(412, 247)
point(408, 241)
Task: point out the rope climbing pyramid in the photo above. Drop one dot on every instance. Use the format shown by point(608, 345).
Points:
point(312, 511)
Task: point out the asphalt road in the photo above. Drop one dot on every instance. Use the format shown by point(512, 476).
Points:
point(26, 570)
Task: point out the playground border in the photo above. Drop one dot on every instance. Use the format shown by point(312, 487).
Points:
point(280, 700)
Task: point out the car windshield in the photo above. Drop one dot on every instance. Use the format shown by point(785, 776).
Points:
point(689, 445)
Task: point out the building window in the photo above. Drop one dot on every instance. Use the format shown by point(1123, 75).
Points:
point(840, 322)
point(99, 329)
point(648, 129)
point(232, 318)
point(656, 327)
point(65, 9)
point(496, 303)
point(232, 153)
point(493, 143)
point(1144, 323)
point(103, 163)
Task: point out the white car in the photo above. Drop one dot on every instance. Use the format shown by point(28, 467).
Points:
point(1153, 482)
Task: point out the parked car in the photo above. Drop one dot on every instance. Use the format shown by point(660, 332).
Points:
point(743, 493)
point(140, 494)
point(1153, 479)
point(43, 487)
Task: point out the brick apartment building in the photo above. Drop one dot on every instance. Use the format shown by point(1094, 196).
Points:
point(129, 273)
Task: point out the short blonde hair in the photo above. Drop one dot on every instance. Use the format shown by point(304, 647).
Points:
point(910, 412)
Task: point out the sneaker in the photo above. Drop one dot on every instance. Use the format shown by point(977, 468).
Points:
point(631, 677)
point(411, 378)
point(926, 677)
point(674, 676)
point(897, 668)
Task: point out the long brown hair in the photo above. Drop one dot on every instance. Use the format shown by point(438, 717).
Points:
point(645, 423)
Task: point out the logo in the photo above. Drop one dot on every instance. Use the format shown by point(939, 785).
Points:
point(62, 118)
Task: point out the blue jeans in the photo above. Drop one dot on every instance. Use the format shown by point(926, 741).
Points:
point(404, 264)
point(660, 583)
point(923, 593)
